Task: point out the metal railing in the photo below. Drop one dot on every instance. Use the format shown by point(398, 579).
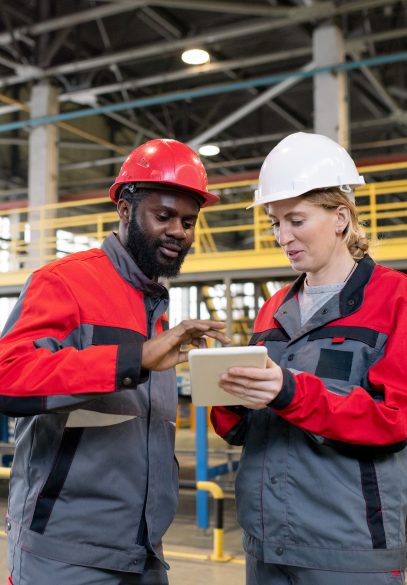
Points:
point(31, 237)
point(216, 491)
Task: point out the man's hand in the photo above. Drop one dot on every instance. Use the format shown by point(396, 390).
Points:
point(257, 386)
point(164, 351)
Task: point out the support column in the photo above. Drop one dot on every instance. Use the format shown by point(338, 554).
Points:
point(17, 251)
point(229, 307)
point(257, 295)
point(185, 302)
point(198, 300)
point(330, 89)
point(42, 173)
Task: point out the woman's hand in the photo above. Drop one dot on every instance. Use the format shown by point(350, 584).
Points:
point(257, 386)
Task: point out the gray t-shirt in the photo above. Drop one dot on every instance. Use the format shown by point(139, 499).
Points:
point(312, 298)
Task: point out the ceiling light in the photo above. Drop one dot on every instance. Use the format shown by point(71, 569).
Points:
point(195, 56)
point(209, 150)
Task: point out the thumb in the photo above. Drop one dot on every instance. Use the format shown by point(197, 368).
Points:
point(270, 363)
point(182, 357)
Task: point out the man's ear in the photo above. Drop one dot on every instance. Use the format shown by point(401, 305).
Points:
point(342, 219)
point(124, 210)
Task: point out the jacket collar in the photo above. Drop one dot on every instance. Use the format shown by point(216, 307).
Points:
point(347, 302)
point(352, 291)
point(128, 269)
point(351, 296)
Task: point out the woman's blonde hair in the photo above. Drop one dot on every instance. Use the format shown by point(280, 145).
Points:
point(354, 235)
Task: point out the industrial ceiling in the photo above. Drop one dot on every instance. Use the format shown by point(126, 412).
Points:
point(121, 81)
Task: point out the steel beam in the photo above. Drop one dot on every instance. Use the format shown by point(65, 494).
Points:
point(240, 113)
point(70, 20)
point(297, 16)
point(206, 91)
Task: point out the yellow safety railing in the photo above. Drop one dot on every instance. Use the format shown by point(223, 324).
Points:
point(5, 472)
point(218, 533)
point(227, 234)
point(216, 492)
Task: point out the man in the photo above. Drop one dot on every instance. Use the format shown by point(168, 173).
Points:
point(87, 364)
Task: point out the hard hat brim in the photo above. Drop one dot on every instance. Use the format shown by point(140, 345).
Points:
point(291, 194)
point(206, 197)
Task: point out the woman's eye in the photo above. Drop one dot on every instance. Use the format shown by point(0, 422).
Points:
point(297, 222)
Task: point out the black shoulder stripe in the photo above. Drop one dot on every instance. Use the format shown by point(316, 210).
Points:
point(22, 405)
point(103, 335)
point(277, 334)
point(363, 334)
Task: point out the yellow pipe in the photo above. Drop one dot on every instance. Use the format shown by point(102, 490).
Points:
point(216, 491)
point(4, 472)
point(198, 557)
point(211, 487)
point(218, 554)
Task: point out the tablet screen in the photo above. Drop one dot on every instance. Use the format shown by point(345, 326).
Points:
point(206, 365)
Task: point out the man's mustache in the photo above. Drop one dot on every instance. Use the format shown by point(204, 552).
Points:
point(172, 243)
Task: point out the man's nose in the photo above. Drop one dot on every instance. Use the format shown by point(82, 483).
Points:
point(176, 228)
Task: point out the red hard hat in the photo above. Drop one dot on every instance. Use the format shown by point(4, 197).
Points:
point(168, 162)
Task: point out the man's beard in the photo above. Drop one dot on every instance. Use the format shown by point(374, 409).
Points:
point(145, 251)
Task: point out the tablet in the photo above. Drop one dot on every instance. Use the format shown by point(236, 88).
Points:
point(206, 365)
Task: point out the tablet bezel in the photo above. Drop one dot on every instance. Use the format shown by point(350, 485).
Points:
point(206, 365)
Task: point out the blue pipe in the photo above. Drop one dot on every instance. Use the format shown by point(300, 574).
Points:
point(201, 413)
point(205, 91)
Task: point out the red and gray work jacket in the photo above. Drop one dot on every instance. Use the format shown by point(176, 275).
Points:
point(322, 482)
point(94, 479)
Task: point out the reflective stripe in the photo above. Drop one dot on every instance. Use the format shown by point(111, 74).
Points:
point(56, 479)
point(91, 418)
point(371, 494)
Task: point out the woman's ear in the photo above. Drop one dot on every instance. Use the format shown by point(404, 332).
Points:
point(124, 210)
point(342, 219)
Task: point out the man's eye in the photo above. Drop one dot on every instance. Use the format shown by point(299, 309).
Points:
point(188, 225)
point(162, 217)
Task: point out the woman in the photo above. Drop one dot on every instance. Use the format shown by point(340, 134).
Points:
point(322, 484)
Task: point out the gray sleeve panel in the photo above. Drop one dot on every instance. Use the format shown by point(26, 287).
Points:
point(16, 312)
point(129, 373)
point(79, 338)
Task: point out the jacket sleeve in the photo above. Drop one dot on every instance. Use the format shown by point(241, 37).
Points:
point(230, 423)
point(362, 418)
point(42, 353)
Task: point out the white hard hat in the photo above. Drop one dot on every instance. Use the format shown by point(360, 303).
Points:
point(302, 162)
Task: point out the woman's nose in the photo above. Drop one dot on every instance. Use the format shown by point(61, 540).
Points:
point(284, 235)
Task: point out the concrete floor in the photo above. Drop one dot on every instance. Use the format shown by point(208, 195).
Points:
point(187, 548)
